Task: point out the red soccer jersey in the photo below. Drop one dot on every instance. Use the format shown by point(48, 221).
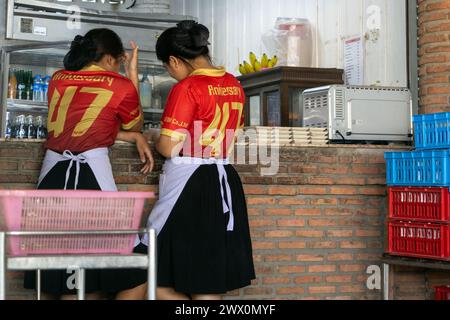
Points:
point(87, 109)
point(205, 111)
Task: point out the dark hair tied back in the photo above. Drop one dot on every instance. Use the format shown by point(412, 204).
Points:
point(188, 40)
point(92, 47)
point(198, 33)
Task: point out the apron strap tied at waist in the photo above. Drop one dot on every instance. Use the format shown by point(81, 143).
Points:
point(78, 160)
point(228, 202)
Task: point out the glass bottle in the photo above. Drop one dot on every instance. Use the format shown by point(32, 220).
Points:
point(30, 128)
point(29, 85)
point(20, 85)
point(41, 130)
point(9, 126)
point(12, 85)
point(21, 127)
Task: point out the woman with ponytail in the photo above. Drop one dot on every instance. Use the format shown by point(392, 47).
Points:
point(90, 106)
point(204, 245)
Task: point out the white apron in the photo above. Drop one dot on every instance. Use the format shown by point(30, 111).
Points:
point(98, 161)
point(173, 180)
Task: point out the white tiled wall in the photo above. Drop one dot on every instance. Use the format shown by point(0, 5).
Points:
point(237, 27)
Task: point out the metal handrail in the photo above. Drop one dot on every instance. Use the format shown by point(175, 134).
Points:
point(151, 262)
point(76, 233)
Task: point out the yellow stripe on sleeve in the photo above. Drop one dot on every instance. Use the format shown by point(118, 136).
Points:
point(173, 134)
point(131, 124)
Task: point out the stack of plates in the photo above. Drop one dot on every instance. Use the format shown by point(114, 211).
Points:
point(310, 136)
point(284, 137)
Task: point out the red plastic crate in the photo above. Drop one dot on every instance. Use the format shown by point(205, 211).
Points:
point(443, 293)
point(419, 204)
point(419, 240)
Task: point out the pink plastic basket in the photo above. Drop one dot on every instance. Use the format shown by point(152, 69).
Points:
point(57, 210)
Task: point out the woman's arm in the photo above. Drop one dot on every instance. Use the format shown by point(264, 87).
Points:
point(145, 153)
point(131, 65)
point(132, 73)
point(167, 146)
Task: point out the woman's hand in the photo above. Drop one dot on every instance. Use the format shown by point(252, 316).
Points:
point(131, 64)
point(152, 134)
point(145, 154)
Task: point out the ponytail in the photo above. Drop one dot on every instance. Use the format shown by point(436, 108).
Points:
point(92, 47)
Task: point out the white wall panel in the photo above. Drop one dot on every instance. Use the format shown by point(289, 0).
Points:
point(238, 25)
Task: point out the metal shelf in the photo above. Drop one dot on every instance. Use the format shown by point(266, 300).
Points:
point(153, 111)
point(17, 105)
point(416, 262)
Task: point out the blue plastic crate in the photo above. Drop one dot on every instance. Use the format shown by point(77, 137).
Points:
point(432, 131)
point(418, 169)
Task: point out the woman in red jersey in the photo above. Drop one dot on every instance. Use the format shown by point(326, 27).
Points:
point(204, 245)
point(90, 106)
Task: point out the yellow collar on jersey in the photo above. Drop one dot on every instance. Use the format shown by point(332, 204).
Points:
point(219, 72)
point(93, 67)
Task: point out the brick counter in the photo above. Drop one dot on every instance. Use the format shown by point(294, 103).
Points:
point(316, 225)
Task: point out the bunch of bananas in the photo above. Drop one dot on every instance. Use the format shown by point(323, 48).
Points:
point(255, 65)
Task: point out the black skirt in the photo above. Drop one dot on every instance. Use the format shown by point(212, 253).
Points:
point(196, 253)
point(106, 281)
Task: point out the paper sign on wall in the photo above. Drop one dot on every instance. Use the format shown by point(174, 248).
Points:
point(354, 61)
point(40, 31)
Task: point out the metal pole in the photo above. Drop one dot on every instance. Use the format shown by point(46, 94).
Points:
point(38, 284)
point(2, 266)
point(413, 61)
point(81, 284)
point(152, 265)
point(4, 79)
point(385, 281)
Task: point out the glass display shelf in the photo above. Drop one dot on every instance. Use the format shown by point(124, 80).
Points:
point(18, 105)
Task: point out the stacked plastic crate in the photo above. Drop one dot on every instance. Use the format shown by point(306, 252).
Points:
point(443, 293)
point(419, 197)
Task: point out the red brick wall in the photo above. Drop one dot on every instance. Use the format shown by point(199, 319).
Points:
point(434, 64)
point(434, 55)
point(316, 226)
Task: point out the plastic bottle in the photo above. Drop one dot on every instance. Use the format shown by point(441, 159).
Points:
point(37, 88)
point(12, 85)
point(145, 88)
point(45, 83)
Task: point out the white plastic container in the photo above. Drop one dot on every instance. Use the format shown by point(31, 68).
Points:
point(291, 39)
point(152, 6)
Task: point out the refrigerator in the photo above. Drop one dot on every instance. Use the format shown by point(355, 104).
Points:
point(38, 34)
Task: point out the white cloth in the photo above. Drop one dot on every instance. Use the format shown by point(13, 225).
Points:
point(97, 159)
point(173, 180)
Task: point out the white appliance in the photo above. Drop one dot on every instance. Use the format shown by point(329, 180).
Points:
point(359, 113)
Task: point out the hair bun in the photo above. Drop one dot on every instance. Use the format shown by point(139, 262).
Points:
point(84, 42)
point(187, 25)
point(198, 33)
point(78, 41)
